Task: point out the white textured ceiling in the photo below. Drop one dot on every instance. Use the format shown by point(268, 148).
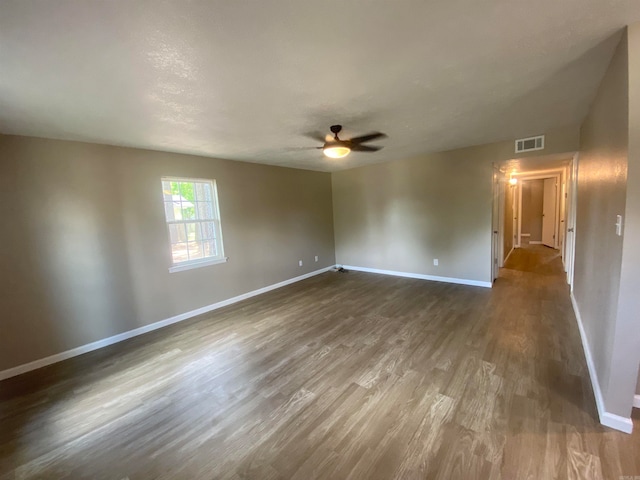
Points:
point(247, 79)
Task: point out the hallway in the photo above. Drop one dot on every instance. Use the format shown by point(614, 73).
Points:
point(559, 395)
point(351, 375)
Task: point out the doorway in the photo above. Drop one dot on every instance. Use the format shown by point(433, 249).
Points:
point(539, 212)
point(534, 202)
point(497, 223)
point(540, 218)
point(549, 217)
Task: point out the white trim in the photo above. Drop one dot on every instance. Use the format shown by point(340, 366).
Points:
point(190, 265)
point(538, 174)
point(514, 215)
point(571, 220)
point(509, 254)
point(562, 215)
point(617, 422)
point(535, 242)
point(74, 352)
point(501, 221)
point(518, 214)
point(525, 234)
point(461, 281)
point(608, 419)
point(495, 224)
point(636, 401)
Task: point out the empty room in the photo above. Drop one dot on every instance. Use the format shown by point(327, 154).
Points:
point(319, 240)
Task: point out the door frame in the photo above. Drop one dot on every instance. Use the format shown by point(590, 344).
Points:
point(570, 224)
point(501, 218)
point(497, 222)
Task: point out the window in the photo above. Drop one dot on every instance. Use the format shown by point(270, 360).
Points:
point(193, 221)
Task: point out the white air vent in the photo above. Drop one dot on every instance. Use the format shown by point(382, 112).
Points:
point(530, 144)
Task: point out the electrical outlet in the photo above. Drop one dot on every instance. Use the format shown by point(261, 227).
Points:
point(299, 263)
point(435, 262)
point(316, 258)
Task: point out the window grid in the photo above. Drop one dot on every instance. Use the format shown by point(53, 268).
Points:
point(193, 220)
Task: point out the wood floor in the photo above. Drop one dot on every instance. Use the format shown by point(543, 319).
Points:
point(341, 376)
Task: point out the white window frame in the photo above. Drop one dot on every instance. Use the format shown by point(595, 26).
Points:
point(200, 262)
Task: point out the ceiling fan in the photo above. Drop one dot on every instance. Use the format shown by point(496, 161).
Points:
point(337, 148)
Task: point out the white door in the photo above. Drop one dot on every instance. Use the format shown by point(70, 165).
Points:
point(549, 212)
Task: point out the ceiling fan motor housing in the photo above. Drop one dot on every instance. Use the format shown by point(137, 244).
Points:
point(337, 148)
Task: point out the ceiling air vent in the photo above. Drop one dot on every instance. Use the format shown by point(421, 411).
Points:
point(530, 144)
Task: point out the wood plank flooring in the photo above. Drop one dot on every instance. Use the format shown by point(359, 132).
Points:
point(341, 376)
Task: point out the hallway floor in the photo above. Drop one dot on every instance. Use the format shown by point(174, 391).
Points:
point(352, 375)
point(540, 269)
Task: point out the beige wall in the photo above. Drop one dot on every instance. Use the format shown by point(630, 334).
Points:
point(602, 194)
point(628, 331)
point(85, 253)
point(400, 216)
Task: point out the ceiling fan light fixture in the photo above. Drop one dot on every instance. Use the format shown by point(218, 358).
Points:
point(336, 151)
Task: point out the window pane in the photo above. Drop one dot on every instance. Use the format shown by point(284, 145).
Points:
point(179, 252)
point(175, 188)
point(208, 193)
point(208, 230)
point(199, 192)
point(177, 233)
point(204, 210)
point(188, 210)
point(166, 190)
point(195, 250)
point(177, 209)
point(211, 248)
point(186, 191)
point(206, 248)
point(191, 231)
point(169, 211)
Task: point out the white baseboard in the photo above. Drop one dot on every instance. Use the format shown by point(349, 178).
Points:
point(636, 401)
point(607, 419)
point(617, 422)
point(74, 352)
point(508, 255)
point(525, 234)
point(461, 281)
point(535, 242)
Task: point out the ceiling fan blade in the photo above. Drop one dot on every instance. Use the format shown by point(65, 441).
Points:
point(364, 148)
point(297, 149)
point(318, 137)
point(368, 138)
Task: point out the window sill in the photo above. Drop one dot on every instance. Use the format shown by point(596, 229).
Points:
point(196, 264)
